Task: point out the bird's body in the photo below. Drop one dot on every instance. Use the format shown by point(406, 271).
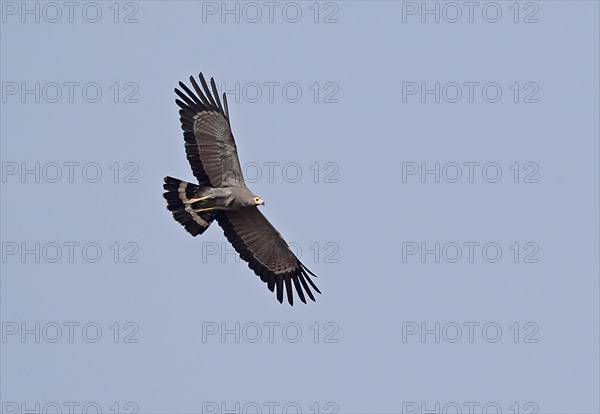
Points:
point(221, 194)
point(202, 199)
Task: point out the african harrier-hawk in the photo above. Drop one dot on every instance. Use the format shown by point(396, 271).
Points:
point(223, 195)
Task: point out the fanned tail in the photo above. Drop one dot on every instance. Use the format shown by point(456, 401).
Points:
point(178, 194)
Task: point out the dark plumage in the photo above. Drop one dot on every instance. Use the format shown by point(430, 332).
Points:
point(221, 194)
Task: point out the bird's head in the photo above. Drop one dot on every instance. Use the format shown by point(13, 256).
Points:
point(258, 201)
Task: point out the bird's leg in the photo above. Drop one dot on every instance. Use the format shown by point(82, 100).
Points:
point(207, 199)
point(203, 203)
point(204, 209)
point(193, 200)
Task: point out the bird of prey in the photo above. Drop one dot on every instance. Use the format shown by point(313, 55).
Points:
point(221, 194)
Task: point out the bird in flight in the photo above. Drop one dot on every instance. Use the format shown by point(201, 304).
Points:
point(222, 195)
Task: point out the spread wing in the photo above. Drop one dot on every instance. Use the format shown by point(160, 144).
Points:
point(261, 245)
point(209, 142)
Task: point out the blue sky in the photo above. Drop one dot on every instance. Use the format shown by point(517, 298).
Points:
point(435, 164)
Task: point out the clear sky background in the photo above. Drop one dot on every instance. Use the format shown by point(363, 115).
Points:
point(436, 165)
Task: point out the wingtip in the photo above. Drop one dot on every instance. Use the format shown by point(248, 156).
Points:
point(303, 266)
